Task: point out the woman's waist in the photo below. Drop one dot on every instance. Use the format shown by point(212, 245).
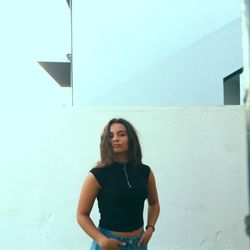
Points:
point(122, 224)
point(133, 233)
point(123, 235)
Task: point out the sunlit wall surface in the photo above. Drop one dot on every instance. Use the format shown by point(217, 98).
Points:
point(154, 52)
point(201, 175)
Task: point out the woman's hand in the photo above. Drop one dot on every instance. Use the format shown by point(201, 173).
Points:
point(146, 236)
point(111, 244)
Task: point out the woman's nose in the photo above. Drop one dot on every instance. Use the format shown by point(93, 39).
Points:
point(115, 138)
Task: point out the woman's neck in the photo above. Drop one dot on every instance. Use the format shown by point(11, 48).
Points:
point(121, 158)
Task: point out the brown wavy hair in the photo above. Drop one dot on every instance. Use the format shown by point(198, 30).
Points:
point(134, 147)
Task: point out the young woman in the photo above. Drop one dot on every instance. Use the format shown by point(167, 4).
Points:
point(121, 184)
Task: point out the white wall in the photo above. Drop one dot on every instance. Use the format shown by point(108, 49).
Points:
point(193, 76)
point(198, 155)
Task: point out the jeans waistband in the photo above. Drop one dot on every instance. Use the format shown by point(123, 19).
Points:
point(128, 240)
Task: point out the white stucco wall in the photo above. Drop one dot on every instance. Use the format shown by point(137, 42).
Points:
point(198, 155)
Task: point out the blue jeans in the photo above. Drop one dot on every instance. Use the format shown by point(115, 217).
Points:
point(131, 242)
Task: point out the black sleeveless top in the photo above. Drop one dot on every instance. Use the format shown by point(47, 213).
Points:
point(122, 195)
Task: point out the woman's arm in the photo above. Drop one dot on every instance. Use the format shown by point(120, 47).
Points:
point(153, 209)
point(87, 198)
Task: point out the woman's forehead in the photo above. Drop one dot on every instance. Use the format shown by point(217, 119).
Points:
point(115, 127)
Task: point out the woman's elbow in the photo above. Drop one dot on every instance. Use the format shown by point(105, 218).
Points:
point(80, 216)
point(156, 205)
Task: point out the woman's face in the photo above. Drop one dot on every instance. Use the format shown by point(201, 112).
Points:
point(118, 138)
